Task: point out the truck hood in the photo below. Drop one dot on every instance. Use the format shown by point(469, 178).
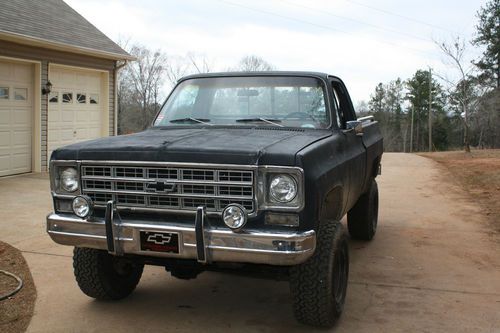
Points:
point(249, 146)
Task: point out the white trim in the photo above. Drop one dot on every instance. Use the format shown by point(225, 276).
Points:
point(116, 72)
point(77, 68)
point(34, 41)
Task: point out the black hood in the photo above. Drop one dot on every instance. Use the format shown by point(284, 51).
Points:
point(200, 145)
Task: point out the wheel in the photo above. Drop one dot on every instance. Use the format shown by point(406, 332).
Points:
point(103, 276)
point(362, 219)
point(319, 285)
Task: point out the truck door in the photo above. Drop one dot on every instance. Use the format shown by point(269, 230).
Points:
point(354, 150)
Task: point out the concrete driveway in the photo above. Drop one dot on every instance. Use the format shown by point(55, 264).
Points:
point(434, 266)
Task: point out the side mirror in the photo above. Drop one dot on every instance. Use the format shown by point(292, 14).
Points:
point(355, 125)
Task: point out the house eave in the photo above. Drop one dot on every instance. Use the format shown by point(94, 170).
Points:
point(40, 42)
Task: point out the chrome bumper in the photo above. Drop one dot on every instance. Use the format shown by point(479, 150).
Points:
point(221, 244)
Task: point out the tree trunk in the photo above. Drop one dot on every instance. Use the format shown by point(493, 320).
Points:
point(466, 130)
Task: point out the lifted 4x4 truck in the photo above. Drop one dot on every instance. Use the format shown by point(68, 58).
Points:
point(246, 172)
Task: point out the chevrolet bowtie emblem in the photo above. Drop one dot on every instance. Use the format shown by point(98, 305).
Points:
point(160, 186)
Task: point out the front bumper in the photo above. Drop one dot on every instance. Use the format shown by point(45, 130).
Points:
point(220, 244)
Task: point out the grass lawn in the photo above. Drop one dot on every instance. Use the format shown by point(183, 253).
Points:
point(479, 174)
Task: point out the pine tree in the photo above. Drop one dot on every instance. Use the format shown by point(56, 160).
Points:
point(488, 35)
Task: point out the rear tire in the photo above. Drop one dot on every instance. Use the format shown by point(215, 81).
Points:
point(319, 285)
point(103, 276)
point(362, 219)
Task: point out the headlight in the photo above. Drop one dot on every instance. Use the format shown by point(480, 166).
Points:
point(69, 180)
point(234, 216)
point(282, 188)
point(82, 206)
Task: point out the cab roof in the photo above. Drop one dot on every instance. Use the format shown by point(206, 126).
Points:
point(320, 75)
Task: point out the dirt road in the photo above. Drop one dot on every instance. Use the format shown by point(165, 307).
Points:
point(434, 266)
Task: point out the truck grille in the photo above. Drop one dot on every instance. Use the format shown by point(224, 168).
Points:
point(168, 188)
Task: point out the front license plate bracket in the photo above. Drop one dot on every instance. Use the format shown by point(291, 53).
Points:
point(159, 241)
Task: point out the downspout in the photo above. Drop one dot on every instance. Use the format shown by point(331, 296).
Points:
point(115, 78)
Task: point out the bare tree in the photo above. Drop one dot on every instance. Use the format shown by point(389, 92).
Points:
point(140, 87)
point(199, 63)
point(253, 63)
point(178, 66)
point(456, 53)
point(175, 68)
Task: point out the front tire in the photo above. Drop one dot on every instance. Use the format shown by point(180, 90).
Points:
point(319, 285)
point(103, 276)
point(362, 219)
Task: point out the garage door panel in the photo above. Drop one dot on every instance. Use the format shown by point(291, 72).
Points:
point(68, 116)
point(4, 118)
point(23, 73)
point(21, 138)
point(82, 115)
point(21, 116)
point(66, 135)
point(6, 71)
point(20, 162)
point(5, 142)
point(5, 165)
point(95, 116)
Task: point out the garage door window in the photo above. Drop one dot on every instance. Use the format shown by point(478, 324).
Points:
point(94, 98)
point(54, 97)
point(81, 98)
point(20, 94)
point(4, 93)
point(67, 97)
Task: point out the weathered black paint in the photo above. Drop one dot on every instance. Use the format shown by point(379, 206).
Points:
point(334, 160)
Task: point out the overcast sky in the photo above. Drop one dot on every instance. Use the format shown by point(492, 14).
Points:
point(364, 42)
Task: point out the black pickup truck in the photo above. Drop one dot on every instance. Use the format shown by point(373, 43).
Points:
point(246, 172)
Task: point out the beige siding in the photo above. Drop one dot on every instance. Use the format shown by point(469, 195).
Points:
point(44, 116)
point(45, 56)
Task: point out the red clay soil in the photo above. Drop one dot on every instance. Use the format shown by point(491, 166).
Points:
point(15, 311)
point(478, 172)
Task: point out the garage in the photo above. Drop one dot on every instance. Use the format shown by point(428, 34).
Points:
point(16, 117)
point(76, 106)
point(58, 76)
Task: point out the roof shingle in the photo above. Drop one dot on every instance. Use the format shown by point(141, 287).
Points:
point(54, 21)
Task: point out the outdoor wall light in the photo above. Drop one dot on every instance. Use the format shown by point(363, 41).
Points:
point(47, 89)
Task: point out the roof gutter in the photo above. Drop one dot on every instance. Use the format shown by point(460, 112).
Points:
point(115, 79)
point(33, 41)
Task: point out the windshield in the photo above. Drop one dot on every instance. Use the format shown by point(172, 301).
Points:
point(237, 101)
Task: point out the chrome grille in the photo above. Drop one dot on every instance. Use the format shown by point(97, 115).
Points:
point(168, 188)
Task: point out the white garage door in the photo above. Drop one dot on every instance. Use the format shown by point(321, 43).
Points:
point(75, 106)
point(16, 113)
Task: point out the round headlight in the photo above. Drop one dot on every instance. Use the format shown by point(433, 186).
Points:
point(234, 216)
point(82, 206)
point(69, 180)
point(283, 188)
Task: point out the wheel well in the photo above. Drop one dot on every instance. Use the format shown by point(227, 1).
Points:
point(375, 167)
point(332, 206)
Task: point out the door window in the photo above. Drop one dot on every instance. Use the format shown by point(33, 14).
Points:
point(94, 98)
point(54, 97)
point(81, 98)
point(20, 94)
point(67, 97)
point(4, 92)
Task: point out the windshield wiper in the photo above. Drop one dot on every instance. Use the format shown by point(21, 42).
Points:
point(264, 120)
point(191, 120)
